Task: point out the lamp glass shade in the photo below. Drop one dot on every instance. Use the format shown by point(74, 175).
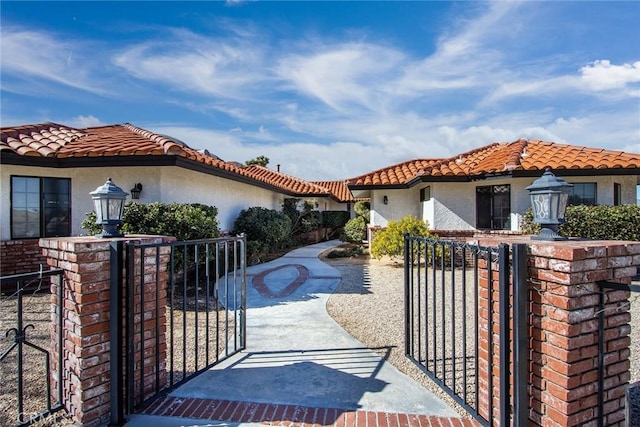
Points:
point(108, 202)
point(549, 198)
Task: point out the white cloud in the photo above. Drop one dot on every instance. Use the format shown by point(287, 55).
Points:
point(602, 75)
point(185, 61)
point(84, 122)
point(32, 54)
point(341, 75)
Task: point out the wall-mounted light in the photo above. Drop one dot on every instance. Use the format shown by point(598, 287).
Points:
point(385, 200)
point(135, 191)
point(108, 202)
point(549, 197)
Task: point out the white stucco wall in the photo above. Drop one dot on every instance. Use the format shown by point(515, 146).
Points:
point(453, 204)
point(160, 184)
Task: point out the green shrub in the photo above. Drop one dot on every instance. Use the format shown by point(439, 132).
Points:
point(600, 222)
point(346, 252)
point(267, 226)
point(184, 221)
point(362, 209)
point(335, 219)
point(355, 230)
point(302, 215)
point(390, 241)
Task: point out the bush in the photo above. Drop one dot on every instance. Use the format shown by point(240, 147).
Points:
point(349, 252)
point(390, 241)
point(600, 222)
point(362, 209)
point(355, 230)
point(303, 218)
point(335, 219)
point(184, 221)
point(267, 226)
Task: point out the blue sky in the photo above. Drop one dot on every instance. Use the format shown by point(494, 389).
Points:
point(329, 90)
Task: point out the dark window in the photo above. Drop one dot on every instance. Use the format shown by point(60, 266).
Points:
point(425, 194)
point(493, 207)
point(40, 207)
point(617, 194)
point(583, 193)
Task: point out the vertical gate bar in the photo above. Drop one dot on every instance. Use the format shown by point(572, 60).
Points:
point(426, 305)
point(226, 296)
point(464, 325)
point(434, 311)
point(476, 327)
point(172, 288)
point(490, 335)
point(418, 298)
point(196, 254)
point(216, 286)
point(520, 336)
point(207, 285)
point(505, 332)
point(453, 317)
point(60, 324)
point(601, 357)
point(115, 338)
point(408, 344)
point(236, 324)
point(243, 289)
point(184, 311)
point(443, 318)
point(19, 340)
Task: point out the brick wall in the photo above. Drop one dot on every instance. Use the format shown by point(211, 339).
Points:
point(20, 256)
point(563, 330)
point(86, 330)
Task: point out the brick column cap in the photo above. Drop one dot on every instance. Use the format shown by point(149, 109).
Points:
point(91, 243)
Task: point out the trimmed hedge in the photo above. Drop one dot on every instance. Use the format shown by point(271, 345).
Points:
point(600, 222)
point(184, 221)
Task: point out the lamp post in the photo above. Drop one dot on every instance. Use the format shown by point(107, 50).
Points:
point(549, 196)
point(108, 203)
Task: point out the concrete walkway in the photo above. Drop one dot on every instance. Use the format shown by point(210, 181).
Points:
point(300, 367)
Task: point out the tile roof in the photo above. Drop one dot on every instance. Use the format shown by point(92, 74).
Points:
point(339, 190)
point(52, 140)
point(284, 181)
point(497, 158)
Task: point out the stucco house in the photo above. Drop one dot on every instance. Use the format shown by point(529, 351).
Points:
point(485, 189)
point(48, 170)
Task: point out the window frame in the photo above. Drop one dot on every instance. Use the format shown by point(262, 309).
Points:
point(572, 194)
point(424, 192)
point(617, 194)
point(490, 190)
point(43, 210)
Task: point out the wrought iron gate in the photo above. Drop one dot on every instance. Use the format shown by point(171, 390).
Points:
point(466, 325)
point(183, 310)
point(25, 327)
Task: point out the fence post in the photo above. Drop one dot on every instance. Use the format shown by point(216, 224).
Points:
point(116, 325)
point(86, 305)
point(408, 271)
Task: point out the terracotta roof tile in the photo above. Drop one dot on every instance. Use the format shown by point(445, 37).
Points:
point(54, 140)
point(37, 140)
point(284, 181)
point(338, 189)
point(529, 155)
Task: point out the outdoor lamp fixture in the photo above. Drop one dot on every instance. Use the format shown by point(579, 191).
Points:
point(549, 196)
point(108, 202)
point(385, 200)
point(135, 191)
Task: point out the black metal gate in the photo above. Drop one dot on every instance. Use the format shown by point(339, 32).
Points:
point(26, 362)
point(183, 311)
point(466, 324)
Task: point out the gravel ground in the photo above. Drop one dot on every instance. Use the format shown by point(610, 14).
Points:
point(369, 305)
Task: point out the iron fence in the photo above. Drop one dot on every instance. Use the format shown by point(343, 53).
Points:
point(465, 319)
point(183, 311)
point(31, 377)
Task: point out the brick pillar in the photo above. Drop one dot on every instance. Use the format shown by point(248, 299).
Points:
point(86, 333)
point(563, 329)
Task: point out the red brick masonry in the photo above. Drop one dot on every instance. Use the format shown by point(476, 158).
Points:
point(293, 415)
